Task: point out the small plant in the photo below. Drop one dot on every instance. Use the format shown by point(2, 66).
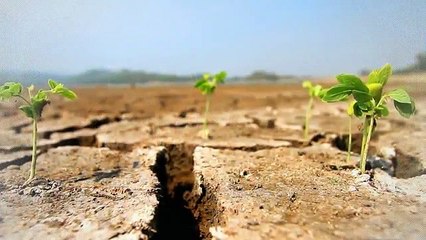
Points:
point(33, 107)
point(207, 85)
point(314, 92)
point(370, 101)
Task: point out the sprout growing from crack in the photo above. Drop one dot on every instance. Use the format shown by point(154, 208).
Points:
point(314, 92)
point(207, 84)
point(33, 108)
point(370, 101)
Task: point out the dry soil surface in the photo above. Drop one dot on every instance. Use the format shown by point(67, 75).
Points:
point(127, 163)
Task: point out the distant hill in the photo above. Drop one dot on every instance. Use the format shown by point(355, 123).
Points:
point(127, 77)
point(261, 75)
point(103, 76)
point(30, 77)
point(419, 66)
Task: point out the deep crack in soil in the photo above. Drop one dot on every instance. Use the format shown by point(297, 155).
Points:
point(173, 219)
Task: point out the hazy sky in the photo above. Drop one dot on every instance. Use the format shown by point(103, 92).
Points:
point(288, 37)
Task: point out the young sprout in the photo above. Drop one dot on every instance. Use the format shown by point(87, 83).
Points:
point(314, 92)
point(33, 108)
point(370, 101)
point(207, 85)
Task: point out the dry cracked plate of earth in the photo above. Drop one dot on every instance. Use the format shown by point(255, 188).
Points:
point(126, 163)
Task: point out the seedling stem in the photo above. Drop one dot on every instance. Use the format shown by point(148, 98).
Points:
point(34, 153)
point(368, 129)
point(308, 117)
point(206, 113)
point(349, 139)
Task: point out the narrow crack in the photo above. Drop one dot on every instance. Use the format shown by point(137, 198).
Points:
point(173, 219)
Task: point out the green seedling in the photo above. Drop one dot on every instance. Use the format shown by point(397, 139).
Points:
point(314, 92)
point(207, 84)
point(33, 107)
point(370, 101)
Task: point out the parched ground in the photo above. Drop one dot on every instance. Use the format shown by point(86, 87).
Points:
point(127, 163)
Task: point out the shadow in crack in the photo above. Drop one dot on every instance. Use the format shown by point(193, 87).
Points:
point(173, 220)
point(407, 166)
point(99, 175)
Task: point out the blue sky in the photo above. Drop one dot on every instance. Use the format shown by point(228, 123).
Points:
point(288, 37)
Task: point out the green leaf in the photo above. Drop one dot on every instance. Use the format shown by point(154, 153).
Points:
point(206, 76)
point(307, 84)
point(382, 111)
point(373, 77)
point(60, 89)
point(337, 93)
point(65, 92)
point(375, 90)
point(365, 106)
point(28, 111)
point(41, 95)
point(380, 75)
point(200, 82)
point(384, 73)
point(350, 109)
point(352, 81)
point(322, 93)
point(5, 94)
point(38, 102)
point(400, 95)
point(405, 109)
point(10, 89)
point(220, 77)
point(361, 96)
point(206, 87)
point(316, 90)
point(357, 110)
point(52, 84)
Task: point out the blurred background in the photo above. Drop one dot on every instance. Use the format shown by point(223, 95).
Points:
point(163, 42)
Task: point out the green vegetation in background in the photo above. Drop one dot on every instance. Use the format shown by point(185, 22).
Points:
point(314, 92)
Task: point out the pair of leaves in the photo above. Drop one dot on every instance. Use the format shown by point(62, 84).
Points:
point(354, 86)
point(314, 91)
point(10, 89)
point(364, 94)
point(403, 103)
point(60, 89)
point(37, 103)
point(34, 107)
point(351, 84)
point(348, 85)
point(207, 84)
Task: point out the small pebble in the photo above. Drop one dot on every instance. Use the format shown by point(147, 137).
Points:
point(53, 221)
point(355, 172)
point(362, 178)
point(13, 167)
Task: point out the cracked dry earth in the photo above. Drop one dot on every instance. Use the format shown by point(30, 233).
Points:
point(126, 163)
